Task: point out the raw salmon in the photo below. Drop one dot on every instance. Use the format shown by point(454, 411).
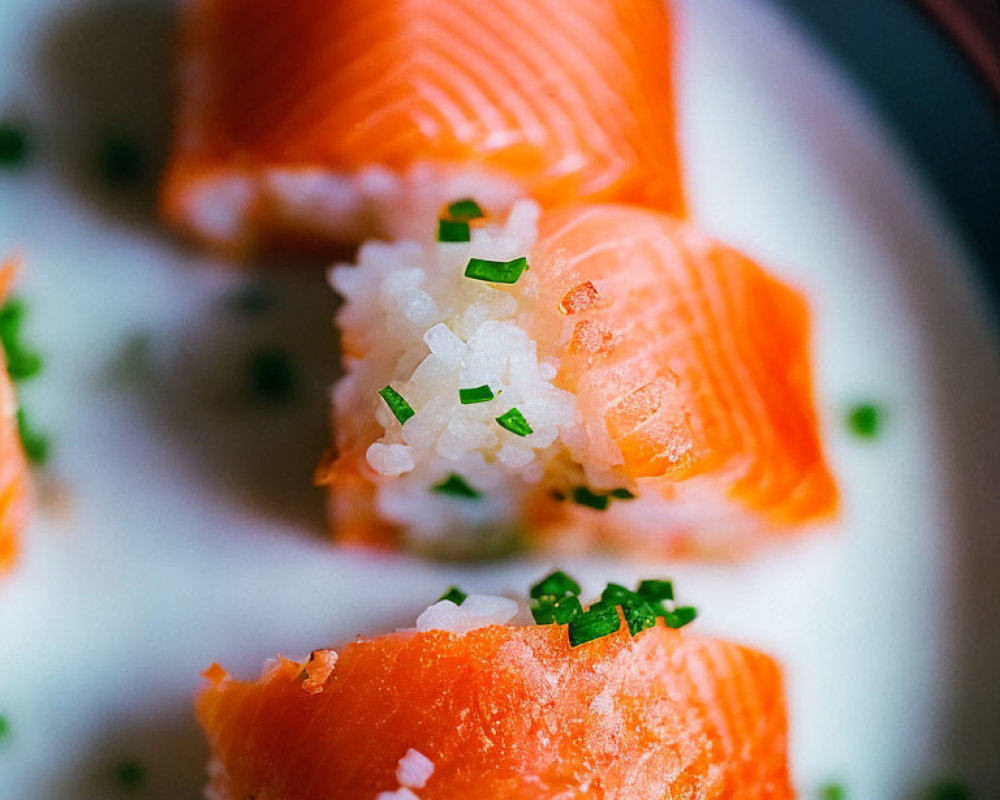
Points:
point(504, 713)
point(14, 496)
point(660, 380)
point(305, 119)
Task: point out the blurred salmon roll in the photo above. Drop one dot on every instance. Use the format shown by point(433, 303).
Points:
point(303, 121)
point(594, 375)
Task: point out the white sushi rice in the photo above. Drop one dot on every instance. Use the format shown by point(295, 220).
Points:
point(476, 611)
point(427, 330)
point(414, 769)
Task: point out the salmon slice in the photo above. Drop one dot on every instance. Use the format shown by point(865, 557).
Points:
point(306, 119)
point(504, 713)
point(14, 494)
point(664, 379)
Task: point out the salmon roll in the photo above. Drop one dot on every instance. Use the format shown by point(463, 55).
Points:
point(305, 121)
point(592, 375)
point(472, 704)
point(16, 362)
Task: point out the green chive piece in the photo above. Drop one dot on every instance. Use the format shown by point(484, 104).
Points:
point(22, 361)
point(455, 595)
point(833, 791)
point(477, 394)
point(120, 161)
point(36, 446)
point(482, 269)
point(13, 145)
point(639, 616)
point(622, 494)
point(515, 422)
point(583, 496)
point(558, 584)
point(616, 594)
point(594, 623)
point(130, 773)
point(456, 486)
point(656, 590)
point(561, 610)
point(397, 405)
point(865, 420)
point(272, 375)
point(465, 210)
point(450, 230)
point(949, 790)
point(680, 616)
point(4, 728)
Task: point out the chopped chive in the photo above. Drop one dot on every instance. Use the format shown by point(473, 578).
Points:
point(616, 594)
point(560, 610)
point(833, 791)
point(583, 496)
point(13, 145)
point(4, 727)
point(639, 616)
point(622, 494)
point(397, 405)
point(22, 361)
point(656, 590)
point(465, 209)
point(130, 773)
point(477, 394)
point(272, 374)
point(865, 420)
point(593, 623)
point(949, 790)
point(450, 230)
point(120, 161)
point(36, 446)
point(455, 595)
point(680, 616)
point(558, 584)
point(456, 486)
point(515, 422)
point(482, 269)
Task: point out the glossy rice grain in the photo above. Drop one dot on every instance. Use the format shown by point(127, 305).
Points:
point(507, 713)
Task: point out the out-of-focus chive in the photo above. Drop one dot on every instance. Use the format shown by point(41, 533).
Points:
point(482, 269)
point(36, 446)
point(477, 394)
point(130, 774)
point(4, 727)
point(680, 616)
point(22, 361)
point(450, 230)
point(465, 209)
point(561, 610)
point(615, 594)
point(515, 422)
point(833, 791)
point(455, 595)
point(272, 374)
point(622, 494)
point(592, 624)
point(949, 790)
point(120, 160)
point(397, 405)
point(656, 590)
point(456, 486)
point(13, 145)
point(865, 420)
point(558, 584)
point(583, 496)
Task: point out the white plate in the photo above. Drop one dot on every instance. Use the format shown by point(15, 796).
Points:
point(193, 535)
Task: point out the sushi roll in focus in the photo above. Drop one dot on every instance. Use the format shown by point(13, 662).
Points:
point(310, 121)
point(15, 362)
point(472, 704)
point(594, 375)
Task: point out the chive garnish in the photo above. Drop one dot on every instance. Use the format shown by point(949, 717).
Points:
point(13, 145)
point(22, 361)
point(4, 728)
point(680, 616)
point(272, 374)
point(833, 791)
point(515, 422)
point(397, 405)
point(548, 609)
point(465, 210)
point(558, 584)
point(130, 773)
point(594, 623)
point(477, 394)
point(583, 496)
point(455, 595)
point(656, 590)
point(622, 494)
point(36, 445)
point(456, 486)
point(864, 420)
point(450, 230)
point(120, 161)
point(482, 269)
